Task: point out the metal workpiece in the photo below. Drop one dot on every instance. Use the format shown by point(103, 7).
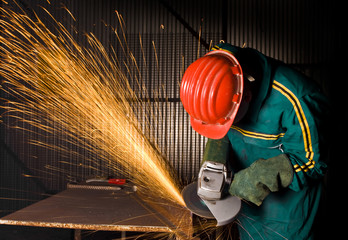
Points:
point(106, 208)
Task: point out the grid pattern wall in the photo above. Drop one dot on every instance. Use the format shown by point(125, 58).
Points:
point(173, 34)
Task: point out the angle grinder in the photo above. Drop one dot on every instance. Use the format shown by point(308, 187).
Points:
point(209, 197)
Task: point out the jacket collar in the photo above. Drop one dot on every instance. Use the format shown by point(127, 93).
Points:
point(263, 87)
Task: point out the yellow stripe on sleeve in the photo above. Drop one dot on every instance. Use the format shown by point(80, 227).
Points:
point(258, 135)
point(303, 123)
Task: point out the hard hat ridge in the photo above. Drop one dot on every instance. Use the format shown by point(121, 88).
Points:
point(211, 92)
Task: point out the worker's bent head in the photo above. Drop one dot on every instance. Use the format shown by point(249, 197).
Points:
point(211, 92)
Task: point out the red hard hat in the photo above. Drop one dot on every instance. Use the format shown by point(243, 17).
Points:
point(211, 92)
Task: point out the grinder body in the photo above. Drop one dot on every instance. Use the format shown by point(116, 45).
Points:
point(209, 197)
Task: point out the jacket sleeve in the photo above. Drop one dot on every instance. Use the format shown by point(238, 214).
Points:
point(304, 140)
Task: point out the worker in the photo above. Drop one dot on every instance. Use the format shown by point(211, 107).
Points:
point(269, 118)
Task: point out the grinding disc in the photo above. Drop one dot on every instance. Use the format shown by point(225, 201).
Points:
point(194, 203)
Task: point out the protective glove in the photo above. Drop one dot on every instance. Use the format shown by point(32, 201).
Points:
point(217, 150)
point(262, 177)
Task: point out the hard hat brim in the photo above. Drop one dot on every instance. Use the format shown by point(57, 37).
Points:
point(212, 131)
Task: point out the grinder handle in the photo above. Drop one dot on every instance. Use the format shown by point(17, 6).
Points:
point(218, 151)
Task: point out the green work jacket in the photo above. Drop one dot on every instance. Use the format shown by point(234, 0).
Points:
point(285, 116)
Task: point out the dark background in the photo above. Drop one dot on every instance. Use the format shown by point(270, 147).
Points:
point(307, 34)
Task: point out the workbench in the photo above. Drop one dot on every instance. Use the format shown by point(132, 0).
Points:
point(99, 208)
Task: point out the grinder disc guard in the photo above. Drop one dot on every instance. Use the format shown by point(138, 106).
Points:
point(194, 203)
point(224, 210)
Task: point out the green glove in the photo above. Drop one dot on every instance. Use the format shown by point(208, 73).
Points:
point(262, 177)
point(217, 150)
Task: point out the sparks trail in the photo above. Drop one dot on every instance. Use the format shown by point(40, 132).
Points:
point(83, 93)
